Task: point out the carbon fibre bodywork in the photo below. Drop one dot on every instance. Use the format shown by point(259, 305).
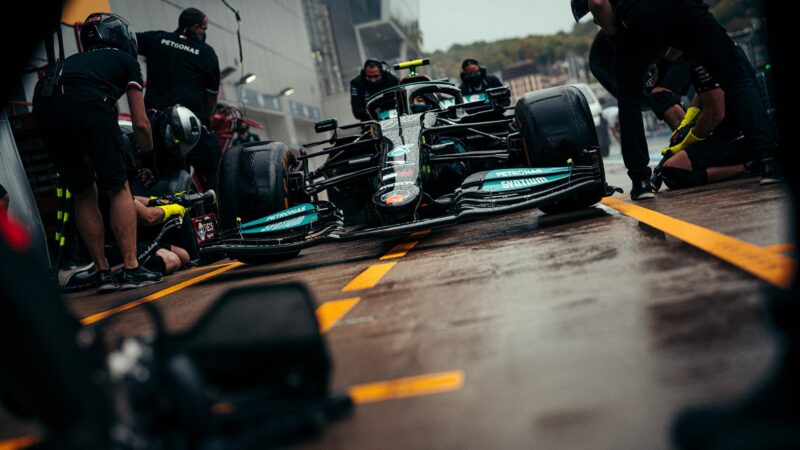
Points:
point(411, 171)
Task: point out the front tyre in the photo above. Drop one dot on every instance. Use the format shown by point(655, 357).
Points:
point(557, 129)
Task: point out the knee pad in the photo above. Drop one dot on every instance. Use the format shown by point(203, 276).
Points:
point(676, 178)
point(660, 102)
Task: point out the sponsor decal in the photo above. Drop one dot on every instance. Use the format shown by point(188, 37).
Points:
point(400, 183)
point(523, 183)
point(401, 162)
point(179, 46)
point(522, 172)
point(205, 227)
point(290, 212)
point(480, 97)
point(400, 150)
point(393, 175)
point(396, 196)
point(294, 222)
point(299, 209)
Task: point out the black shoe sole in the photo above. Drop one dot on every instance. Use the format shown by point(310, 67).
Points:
point(105, 289)
point(770, 180)
point(129, 286)
point(644, 196)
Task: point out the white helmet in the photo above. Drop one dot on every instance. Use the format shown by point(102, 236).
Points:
point(182, 129)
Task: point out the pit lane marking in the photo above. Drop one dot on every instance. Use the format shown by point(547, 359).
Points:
point(780, 248)
point(18, 443)
point(380, 391)
point(369, 277)
point(400, 250)
point(331, 312)
point(94, 318)
point(419, 234)
point(774, 268)
point(197, 269)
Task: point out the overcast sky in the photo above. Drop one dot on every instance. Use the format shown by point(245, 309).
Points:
point(448, 22)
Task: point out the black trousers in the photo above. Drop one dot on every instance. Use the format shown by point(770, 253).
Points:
point(646, 27)
point(205, 157)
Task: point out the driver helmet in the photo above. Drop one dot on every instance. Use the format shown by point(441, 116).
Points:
point(107, 29)
point(182, 129)
point(424, 102)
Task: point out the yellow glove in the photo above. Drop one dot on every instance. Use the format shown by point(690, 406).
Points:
point(172, 209)
point(687, 141)
point(691, 113)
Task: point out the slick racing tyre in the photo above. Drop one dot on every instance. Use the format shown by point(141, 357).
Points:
point(253, 183)
point(556, 126)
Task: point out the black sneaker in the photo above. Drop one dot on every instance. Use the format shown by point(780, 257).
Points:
point(107, 282)
point(139, 277)
point(771, 172)
point(642, 190)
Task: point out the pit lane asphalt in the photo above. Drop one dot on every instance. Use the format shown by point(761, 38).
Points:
point(581, 330)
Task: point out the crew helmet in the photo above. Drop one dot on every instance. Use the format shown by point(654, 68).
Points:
point(108, 29)
point(182, 129)
point(580, 8)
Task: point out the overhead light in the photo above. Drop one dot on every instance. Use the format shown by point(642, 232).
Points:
point(247, 78)
point(286, 92)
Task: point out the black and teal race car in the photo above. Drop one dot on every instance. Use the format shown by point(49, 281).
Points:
point(429, 158)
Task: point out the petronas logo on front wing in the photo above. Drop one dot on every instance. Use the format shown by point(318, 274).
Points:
point(521, 183)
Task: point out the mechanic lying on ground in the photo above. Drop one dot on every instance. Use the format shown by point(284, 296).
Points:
point(708, 146)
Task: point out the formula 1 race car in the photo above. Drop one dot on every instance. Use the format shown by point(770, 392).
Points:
point(428, 158)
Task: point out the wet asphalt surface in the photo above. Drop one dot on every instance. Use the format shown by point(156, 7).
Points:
point(580, 330)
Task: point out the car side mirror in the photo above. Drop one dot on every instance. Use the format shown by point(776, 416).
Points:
point(326, 125)
point(499, 95)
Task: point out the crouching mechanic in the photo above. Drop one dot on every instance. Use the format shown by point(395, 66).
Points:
point(708, 146)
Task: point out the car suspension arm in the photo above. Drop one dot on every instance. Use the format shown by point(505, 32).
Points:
point(315, 188)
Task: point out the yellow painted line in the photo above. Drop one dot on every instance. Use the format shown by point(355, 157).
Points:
point(195, 269)
point(370, 277)
point(331, 312)
point(780, 248)
point(18, 443)
point(407, 387)
point(157, 295)
point(772, 267)
point(418, 234)
point(399, 250)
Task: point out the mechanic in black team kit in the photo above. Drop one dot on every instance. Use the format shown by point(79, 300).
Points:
point(76, 114)
point(183, 69)
point(711, 147)
point(474, 78)
point(643, 29)
point(370, 81)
